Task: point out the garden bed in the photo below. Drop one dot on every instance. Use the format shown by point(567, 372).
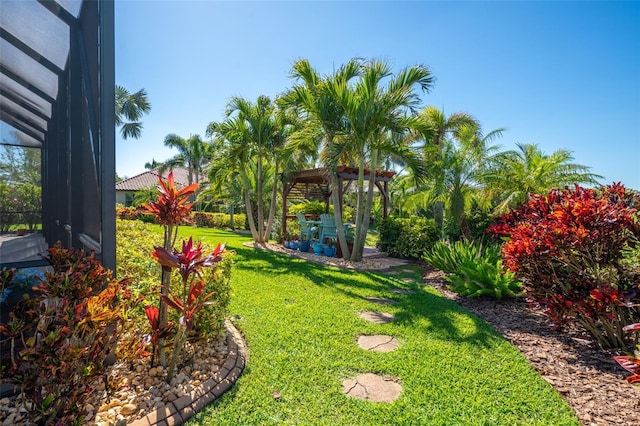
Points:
point(586, 376)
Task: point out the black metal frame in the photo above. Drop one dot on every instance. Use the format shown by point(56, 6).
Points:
point(78, 148)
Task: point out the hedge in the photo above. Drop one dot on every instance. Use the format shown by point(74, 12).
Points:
point(408, 238)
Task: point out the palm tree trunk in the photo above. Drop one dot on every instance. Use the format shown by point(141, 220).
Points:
point(337, 213)
point(369, 203)
point(356, 256)
point(248, 206)
point(260, 201)
point(272, 207)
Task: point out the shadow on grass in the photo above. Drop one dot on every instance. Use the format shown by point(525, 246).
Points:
point(440, 317)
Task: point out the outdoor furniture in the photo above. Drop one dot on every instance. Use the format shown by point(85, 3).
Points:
point(328, 227)
point(307, 228)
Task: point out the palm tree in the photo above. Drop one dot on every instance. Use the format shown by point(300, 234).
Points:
point(153, 164)
point(193, 153)
point(514, 175)
point(433, 128)
point(378, 124)
point(252, 137)
point(464, 158)
point(130, 107)
point(325, 119)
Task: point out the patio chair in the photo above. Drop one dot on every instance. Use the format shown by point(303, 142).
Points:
point(328, 227)
point(308, 230)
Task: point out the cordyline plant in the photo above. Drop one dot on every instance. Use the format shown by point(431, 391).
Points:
point(567, 248)
point(631, 363)
point(189, 263)
point(170, 209)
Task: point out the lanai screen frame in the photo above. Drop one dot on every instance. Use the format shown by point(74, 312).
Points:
point(314, 184)
point(77, 138)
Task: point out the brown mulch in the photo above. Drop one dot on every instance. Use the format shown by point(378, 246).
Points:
point(585, 375)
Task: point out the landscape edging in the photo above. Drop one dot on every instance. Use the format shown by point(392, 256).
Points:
point(183, 408)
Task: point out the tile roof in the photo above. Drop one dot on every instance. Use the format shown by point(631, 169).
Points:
point(149, 179)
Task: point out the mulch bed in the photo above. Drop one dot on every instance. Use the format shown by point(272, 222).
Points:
point(586, 376)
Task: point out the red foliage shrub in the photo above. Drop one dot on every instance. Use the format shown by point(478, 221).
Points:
point(567, 248)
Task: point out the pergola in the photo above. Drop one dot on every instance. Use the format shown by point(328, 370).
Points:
point(314, 185)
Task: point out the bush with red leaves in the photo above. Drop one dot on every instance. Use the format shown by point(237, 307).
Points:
point(567, 248)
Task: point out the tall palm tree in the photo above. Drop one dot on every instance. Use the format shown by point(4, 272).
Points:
point(434, 127)
point(464, 158)
point(254, 134)
point(312, 94)
point(130, 107)
point(153, 164)
point(514, 175)
point(193, 153)
point(377, 115)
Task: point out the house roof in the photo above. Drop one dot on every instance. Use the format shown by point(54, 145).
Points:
point(149, 179)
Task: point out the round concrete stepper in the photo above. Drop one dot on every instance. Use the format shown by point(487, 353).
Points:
point(372, 387)
point(402, 291)
point(377, 317)
point(378, 343)
point(408, 280)
point(380, 300)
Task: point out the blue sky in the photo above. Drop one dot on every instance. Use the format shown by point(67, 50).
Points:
point(559, 74)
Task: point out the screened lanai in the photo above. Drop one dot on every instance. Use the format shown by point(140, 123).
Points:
point(57, 148)
point(314, 185)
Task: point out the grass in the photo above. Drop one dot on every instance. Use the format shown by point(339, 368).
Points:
point(301, 325)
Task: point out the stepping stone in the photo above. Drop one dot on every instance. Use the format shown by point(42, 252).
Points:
point(392, 272)
point(372, 387)
point(402, 291)
point(408, 271)
point(381, 300)
point(408, 280)
point(376, 317)
point(378, 343)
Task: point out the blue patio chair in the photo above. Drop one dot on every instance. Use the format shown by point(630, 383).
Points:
point(328, 227)
point(308, 230)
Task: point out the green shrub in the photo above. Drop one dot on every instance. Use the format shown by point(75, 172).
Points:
point(68, 328)
point(482, 278)
point(448, 256)
point(218, 220)
point(210, 320)
point(407, 238)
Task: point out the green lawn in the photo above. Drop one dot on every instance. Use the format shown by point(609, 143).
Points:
point(301, 325)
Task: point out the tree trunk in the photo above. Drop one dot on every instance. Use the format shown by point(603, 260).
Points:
point(260, 202)
point(248, 206)
point(356, 256)
point(272, 207)
point(369, 203)
point(337, 214)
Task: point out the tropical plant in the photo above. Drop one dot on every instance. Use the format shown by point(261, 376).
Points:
point(67, 329)
point(130, 107)
point(407, 238)
point(171, 208)
point(567, 248)
point(631, 363)
point(252, 137)
point(434, 128)
point(483, 278)
point(448, 256)
point(512, 176)
point(362, 122)
point(191, 299)
point(193, 153)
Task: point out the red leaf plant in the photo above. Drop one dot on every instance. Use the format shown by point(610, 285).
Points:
point(566, 247)
point(631, 363)
point(189, 263)
point(170, 209)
